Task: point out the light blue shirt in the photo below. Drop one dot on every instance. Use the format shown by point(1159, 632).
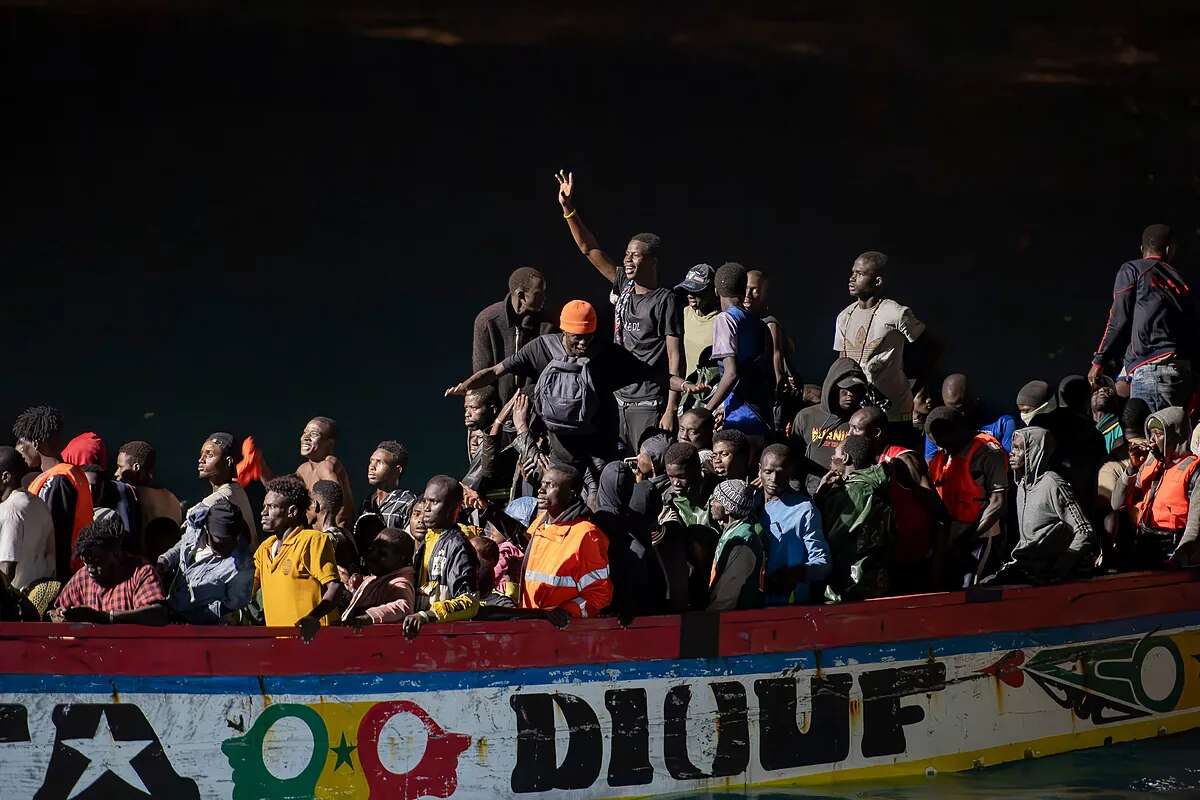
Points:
point(793, 536)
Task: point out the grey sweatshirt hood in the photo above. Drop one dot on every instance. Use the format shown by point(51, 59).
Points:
point(1175, 427)
point(1039, 452)
point(840, 369)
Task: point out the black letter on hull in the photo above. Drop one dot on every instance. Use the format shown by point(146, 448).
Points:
point(733, 732)
point(537, 767)
point(629, 762)
point(14, 723)
point(883, 718)
point(827, 741)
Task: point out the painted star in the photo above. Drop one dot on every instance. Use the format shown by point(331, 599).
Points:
point(343, 751)
point(106, 754)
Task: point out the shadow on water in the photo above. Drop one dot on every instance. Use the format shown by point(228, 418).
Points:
point(1162, 767)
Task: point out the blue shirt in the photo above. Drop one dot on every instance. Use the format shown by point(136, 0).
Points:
point(203, 590)
point(1003, 429)
point(745, 337)
point(793, 536)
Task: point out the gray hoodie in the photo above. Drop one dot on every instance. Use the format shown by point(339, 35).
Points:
point(1055, 534)
point(1174, 422)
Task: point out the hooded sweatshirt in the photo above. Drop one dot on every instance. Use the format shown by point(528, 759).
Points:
point(818, 430)
point(1149, 479)
point(1055, 534)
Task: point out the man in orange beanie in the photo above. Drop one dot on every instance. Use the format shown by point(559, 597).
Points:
point(577, 375)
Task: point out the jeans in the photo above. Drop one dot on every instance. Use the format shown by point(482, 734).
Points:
point(1166, 383)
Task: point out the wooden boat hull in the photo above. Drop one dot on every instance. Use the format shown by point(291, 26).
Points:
point(886, 688)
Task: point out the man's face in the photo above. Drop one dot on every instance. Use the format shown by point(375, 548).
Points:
point(212, 465)
point(440, 508)
point(1016, 458)
point(102, 564)
point(864, 280)
point(387, 554)
point(684, 477)
point(29, 451)
point(775, 473)
point(416, 520)
point(727, 462)
point(717, 511)
point(1104, 401)
point(128, 471)
point(755, 299)
point(555, 493)
point(861, 424)
point(531, 300)
point(638, 262)
point(694, 302)
point(477, 415)
point(577, 344)
point(1158, 442)
point(695, 431)
point(850, 400)
point(382, 472)
point(277, 514)
point(315, 442)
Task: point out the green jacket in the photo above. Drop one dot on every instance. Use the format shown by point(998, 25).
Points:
point(860, 528)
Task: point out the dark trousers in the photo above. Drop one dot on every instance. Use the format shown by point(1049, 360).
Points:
point(635, 420)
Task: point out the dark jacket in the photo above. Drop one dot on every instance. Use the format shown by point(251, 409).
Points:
point(1153, 313)
point(450, 589)
point(818, 430)
point(499, 333)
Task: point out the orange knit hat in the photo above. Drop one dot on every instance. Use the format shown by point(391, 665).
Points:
point(578, 316)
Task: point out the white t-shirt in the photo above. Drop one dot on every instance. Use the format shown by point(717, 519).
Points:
point(875, 338)
point(27, 537)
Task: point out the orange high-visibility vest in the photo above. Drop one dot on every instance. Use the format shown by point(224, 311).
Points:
point(83, 499)
point(1169, 509)
point(566, 566)
point(963, 498)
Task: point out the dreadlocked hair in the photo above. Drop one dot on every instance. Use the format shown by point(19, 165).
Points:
point(103, 534)
point(292, 490)
point(38, 424)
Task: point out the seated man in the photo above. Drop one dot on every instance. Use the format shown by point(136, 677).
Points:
point(295, 565)
point(859, 523)
point(26, 528)
point(738, 560)
point(957, 394)
point(488, 553)
point(326, 499)
point(209, 573)
point(447, 572)
point(696, 428)
point(317, 443)
point(387, 505)
point(566, 563)
point(731, 455)
point(970, 474)
point(112, 586)
point(819, 429)
point(684, 533)
point(797, 554)
point(218, 465)
point(1057, 542)
point(1165, 494)
point(386, 594)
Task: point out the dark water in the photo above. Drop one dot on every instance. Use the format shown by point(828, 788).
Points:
point(1162, 767)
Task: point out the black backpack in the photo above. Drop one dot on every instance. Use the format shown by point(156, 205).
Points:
point(565, 396)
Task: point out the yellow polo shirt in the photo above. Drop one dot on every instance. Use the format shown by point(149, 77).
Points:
point(293, 579)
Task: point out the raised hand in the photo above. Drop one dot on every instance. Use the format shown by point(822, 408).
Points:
point(457, 390)
point(566, 190)
point(521, 410)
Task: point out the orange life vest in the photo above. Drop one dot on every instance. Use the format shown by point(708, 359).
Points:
point(1165, 509)
point(83, 499)
point(963, 498)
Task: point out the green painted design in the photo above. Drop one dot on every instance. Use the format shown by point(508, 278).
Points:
point(251, 778)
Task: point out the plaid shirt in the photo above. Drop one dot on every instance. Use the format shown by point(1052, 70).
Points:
point(139, 590)
point(393, 512)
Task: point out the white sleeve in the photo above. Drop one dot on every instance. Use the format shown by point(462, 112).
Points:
point(909, 325)
point(11, 530)
point(839, 324)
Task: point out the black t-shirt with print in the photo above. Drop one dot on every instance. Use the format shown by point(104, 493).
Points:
point(651, 319)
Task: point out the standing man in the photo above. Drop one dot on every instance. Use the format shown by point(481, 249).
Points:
point(875, 331)
point(505, 327)
point(135, 467)
point(698, 315)
point(1153, 314)
point(648, 322)
point(26, 529)
point(742, 347)
point(317, 443)
point(62, 487)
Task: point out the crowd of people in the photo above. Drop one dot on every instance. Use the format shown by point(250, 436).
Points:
point(679, 464)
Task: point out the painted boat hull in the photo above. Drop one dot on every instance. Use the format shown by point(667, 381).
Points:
point(809, 695)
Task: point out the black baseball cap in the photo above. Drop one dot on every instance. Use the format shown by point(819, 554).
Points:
point(699, 280)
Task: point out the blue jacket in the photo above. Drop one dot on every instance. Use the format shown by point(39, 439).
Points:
point(793, 536)
point(202, 592)
point(1152, 314)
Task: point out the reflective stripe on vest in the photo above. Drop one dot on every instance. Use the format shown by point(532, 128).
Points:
point(1165, 508)
point(963, 498)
